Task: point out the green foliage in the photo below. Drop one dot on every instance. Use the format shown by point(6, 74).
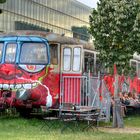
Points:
point(2, 1)
point(115, 27)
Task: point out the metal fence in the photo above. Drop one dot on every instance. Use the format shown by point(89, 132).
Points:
point(105, 102)
point(86, 91)
point(94, 87)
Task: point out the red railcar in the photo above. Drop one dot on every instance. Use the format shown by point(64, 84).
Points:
point(46, 69)
point(32, 68)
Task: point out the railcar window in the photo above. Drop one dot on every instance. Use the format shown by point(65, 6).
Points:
point(76, 59)
point(1, 48)
point(54, 53)
point(67, 59)
point(89, 62)
point(34, 53)
point(100, 67)
point(10, 53)
point(133, 64)
point(98, 64)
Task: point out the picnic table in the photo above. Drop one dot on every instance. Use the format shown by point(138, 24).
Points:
point(80, 113)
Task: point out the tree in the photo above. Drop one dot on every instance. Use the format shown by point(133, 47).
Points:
point(115, 27)
point(2, 1)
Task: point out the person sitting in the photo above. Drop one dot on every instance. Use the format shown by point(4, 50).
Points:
point(136, 99)
point(131, 99)
point(126, 100)
point(123, 106)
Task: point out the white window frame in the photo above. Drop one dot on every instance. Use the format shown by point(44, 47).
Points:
point(79, 59)
point(65, 65)
point(72, 47)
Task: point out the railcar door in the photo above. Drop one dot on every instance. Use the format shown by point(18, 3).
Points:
point(71, 72)
point(54, 74)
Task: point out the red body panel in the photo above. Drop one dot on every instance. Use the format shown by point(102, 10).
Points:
point(134, 84)
point(38, 85)
point(72, 93)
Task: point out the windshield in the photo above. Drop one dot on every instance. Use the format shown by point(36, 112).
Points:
point(34, 53)
point(10, 53)
point(1, 47)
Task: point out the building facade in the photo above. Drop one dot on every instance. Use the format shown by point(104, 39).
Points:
point(68, 17)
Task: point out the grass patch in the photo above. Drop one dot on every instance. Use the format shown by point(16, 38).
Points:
point(133, 121)
point(16, 128)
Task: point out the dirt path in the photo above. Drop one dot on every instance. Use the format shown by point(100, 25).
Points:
point(132, 130)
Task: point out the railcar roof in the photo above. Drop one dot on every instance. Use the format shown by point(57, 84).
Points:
point(40, 36)
point(22, 38)
point(56, 38)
